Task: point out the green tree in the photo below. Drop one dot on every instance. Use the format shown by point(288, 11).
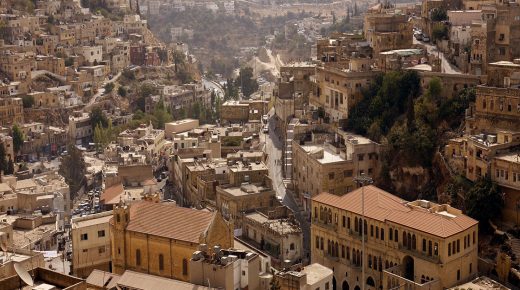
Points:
point(484, 201)
point(18, 138)
point(438, 14)
point(109, 87)
point(161, 115)
point(73, 168)
point(121, 91)
point(98, 117)
point(28, 101)
point(440, 32)
point(246, 81)
point(178, 59)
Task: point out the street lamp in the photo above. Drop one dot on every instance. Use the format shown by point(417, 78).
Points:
point(363, 180)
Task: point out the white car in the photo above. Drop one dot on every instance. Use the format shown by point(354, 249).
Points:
point(265, 118)
point(266, 129)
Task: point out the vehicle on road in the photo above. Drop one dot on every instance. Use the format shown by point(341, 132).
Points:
point(266, 129)
point(265, 118)
point(425, 38)
point(418, 36)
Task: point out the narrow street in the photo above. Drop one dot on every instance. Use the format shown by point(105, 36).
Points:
point(446, 66)
point(273, 148)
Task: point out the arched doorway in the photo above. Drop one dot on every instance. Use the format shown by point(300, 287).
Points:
point(345, 286)
point(333, 283)
point(371, 282)
point(408, 268)
point(357, 288)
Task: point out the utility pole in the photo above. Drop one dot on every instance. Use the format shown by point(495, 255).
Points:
point(363, 180)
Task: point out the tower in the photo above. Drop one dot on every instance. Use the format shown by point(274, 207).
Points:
point(117, 238)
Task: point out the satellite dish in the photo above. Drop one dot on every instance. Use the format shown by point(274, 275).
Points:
point(23, 274)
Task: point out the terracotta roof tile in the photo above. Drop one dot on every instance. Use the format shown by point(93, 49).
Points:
point(110, 195)
point(169, 221)
point(385, 207)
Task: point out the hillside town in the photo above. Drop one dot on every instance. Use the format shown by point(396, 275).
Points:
point(259, 144)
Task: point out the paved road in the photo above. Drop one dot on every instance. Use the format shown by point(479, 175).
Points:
point(446, 66)
point(273, 148)
point(208, 84)
point(100, 92)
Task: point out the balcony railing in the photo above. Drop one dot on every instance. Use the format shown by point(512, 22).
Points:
point(419, 254)
point(393, 278)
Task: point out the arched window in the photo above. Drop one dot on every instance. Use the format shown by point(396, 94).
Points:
point(377, 232)
point(356, 224)
point(330, 216)
point(396, 235)
point(405, 241)
point(382, 234)
point(315, 212)
point(369, 261)
point(414, 242)
point(424, 245)
point(365, 224)
point(390, 234)
point(436, 249)
point(429, 248)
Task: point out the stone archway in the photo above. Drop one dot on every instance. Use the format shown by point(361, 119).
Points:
point(345, 285)
point(334, 283)
point(408, 264)
point(371, 282)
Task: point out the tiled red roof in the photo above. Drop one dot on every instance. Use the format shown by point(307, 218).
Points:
point(169, 221)
point(383, 206)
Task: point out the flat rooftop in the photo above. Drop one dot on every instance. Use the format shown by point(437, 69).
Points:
point(246, 189)
point(328, 155)
point(281, 226)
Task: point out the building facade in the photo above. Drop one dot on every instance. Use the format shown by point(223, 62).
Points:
point(416, 244)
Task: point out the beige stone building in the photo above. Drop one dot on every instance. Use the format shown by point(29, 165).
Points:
point(311, 277)
point(160, 238)
point(91, 244)
point(11, 111)
point(337, 90)
point(410, 245)
point(387, 30)
point(276, 232)
point(225, 269)
point(332, 166)
point(243, 111)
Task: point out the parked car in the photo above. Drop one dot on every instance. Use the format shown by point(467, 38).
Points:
point(425, 38)
point(266, 129)
point(265, 118)
point(418, 36)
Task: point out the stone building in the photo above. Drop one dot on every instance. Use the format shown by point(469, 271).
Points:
point(227, 269)
point(91, 244)
point(417, 244)
point(80, 128)
point(11, 111)
point(311, 277)
point(385, 29)
point(160, 238)
point(276, 232)
point(332, 166)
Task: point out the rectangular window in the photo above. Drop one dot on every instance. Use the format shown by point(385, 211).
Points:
point(458, 275)
point(138, 257)
point(361, 157)
point(161, 262)
point(347, 173)
point(317, 242)
point(449, 249)
point(458, 246)
point(348, 223)
point(343, 221)
point(184, 267)
point(331, 175)
point(101, 233)
point(470, 268)
point(84, 237)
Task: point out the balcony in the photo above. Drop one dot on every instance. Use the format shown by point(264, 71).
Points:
point(420, 255)
point(397, 278)
point(325, 224)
